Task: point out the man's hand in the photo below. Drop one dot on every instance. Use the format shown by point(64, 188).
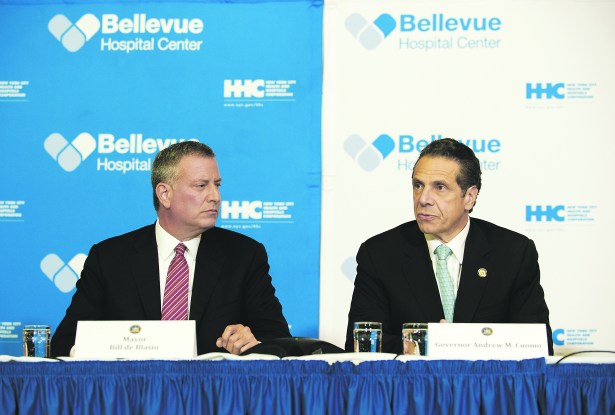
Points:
point(237, 338)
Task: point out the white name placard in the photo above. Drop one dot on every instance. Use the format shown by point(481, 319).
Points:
point(486, 341)
point(136, 339)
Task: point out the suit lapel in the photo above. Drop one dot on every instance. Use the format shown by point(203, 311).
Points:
point(471, 285)
point(144, 268)
point(207, 272)
point(419, 274)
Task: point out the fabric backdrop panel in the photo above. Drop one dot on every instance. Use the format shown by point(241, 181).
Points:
point(89, 93)
point(528, 85)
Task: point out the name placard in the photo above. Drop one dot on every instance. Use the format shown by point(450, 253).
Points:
point(487, 341)
point(136, 340)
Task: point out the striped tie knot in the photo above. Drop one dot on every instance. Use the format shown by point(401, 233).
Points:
point(180, 249)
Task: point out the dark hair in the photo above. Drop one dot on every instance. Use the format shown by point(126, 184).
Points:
point(165, 166)
point(469, 166)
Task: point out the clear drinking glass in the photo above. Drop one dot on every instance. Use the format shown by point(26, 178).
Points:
point(367, 336)
point(36, 340)
point(414, 338)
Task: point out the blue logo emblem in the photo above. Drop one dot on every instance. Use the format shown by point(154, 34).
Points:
point(369, 156)
point(370, 35)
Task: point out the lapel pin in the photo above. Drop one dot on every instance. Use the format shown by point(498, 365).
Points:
point(482, 272)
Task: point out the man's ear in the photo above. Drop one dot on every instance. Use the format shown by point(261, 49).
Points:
point(470, 197)
point(164, 193)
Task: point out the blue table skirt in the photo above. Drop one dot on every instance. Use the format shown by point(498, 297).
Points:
point(311, 387)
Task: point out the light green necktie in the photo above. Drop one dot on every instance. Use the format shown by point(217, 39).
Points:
point(445, 283)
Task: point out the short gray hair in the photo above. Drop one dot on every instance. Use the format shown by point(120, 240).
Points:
point(165, 166)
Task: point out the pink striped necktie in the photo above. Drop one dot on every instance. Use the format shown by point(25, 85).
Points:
point(175, 301)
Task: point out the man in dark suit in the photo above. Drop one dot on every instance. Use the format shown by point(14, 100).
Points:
point(494, 271)
point(227, 288)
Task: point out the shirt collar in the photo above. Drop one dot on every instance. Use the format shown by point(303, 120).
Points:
point(167, 243)
point(457, 244)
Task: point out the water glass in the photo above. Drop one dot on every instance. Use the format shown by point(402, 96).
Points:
point(367, 336)
point(414, 338)
point(36, 340)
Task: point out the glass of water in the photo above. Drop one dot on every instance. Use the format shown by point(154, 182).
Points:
point(414, 338)
point(367, 336)
point(36, 340)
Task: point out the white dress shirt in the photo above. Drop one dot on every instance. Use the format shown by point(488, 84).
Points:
point(166, 251)
point(455, 260)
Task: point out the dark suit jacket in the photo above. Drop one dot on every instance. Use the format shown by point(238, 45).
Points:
point(120, 281)
point(396, 284)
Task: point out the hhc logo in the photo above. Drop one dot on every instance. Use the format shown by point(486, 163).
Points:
point(548, 213)
point(548, 91)
point(63, 275)
point(369, 156)
point(73, 36)
point(244, 89)
point(70, 155)
point(370, 35)
point(242, 210)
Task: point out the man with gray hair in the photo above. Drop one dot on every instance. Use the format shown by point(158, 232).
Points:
point(181, 267)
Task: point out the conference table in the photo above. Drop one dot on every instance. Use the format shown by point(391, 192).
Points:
point(350, 383)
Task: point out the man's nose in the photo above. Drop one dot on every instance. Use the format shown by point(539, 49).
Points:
point(214, 195)
point(424, 196)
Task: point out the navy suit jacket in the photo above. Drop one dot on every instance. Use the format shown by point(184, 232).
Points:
point(120, 281)
point(396, 284)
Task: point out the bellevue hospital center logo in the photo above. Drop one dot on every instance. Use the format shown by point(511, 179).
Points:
point(70, 155)
point(427, 32)
point(370, 35)
point(63, 275)
point(73, 36)
point(407, 147)
point(126, 153)
point(369, 155)
point(136, 33)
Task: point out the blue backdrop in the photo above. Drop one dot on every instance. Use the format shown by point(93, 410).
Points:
point(90, 93)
